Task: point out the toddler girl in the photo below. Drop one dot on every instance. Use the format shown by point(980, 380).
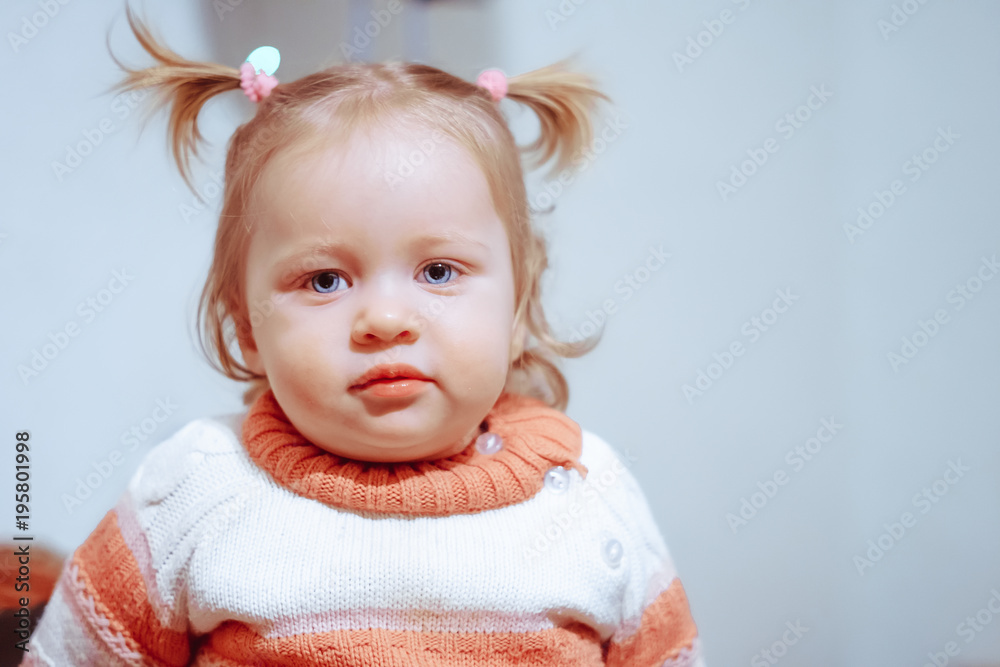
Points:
point(404, 488)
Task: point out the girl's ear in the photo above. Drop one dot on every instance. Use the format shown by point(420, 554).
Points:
point(248, 347)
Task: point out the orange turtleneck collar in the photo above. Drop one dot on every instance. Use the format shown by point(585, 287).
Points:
point(535, 438)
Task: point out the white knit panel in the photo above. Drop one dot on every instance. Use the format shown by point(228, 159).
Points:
point(178, 493)
point(227, 542)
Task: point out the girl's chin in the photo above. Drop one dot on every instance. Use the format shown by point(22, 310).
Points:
point(375, 453)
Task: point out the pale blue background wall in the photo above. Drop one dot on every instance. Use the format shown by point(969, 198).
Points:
point(681, 130)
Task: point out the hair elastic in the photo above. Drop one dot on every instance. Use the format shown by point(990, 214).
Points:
point(494, 81)
point(256, 78)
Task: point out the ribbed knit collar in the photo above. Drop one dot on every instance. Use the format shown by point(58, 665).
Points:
point(535, 437)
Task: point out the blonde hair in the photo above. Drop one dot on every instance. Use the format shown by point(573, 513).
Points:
point(337, 101)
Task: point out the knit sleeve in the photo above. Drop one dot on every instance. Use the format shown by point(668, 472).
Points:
point(103, 610)
point(657, 628)
point(120, 598)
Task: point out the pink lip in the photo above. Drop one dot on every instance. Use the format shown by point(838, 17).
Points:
point(397, 372)
point(394, 387)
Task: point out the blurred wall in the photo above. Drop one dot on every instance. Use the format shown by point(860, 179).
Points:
point(806, 386)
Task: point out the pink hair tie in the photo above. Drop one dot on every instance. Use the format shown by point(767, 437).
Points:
point(494, 81)
point(255, 84)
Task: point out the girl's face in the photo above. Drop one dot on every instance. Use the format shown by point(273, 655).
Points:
point(384, 250)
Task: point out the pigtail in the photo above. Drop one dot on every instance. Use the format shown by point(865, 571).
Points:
point(563, 100)
point(186, 83)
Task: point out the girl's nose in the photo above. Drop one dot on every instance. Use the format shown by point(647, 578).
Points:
point(385, 316)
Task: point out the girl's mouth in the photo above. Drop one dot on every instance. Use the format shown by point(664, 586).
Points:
point(396, 387)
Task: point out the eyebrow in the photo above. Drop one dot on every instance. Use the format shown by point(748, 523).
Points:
point(442, 238)
point(334, 248)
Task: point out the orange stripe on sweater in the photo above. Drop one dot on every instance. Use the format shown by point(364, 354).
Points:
point(666, 629)
point(234, 644)
point(110, 575)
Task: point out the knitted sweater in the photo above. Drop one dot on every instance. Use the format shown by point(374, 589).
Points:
point(238, 542)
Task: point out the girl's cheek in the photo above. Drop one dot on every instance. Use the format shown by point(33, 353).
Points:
point(296, 366)
point(292, 323)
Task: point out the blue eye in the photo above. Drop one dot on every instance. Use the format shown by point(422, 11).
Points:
point(438, 271)
point(325, 282)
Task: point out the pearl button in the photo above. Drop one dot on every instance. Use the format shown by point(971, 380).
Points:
point(489, 443)
point(612, 552)
point(557, 479)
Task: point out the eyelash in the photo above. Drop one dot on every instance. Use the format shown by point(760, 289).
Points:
point(308, 283)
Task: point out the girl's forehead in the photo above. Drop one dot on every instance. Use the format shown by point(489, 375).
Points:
point(397, 185)
point(411, 142)
point(368, 161)
point(372, 171)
